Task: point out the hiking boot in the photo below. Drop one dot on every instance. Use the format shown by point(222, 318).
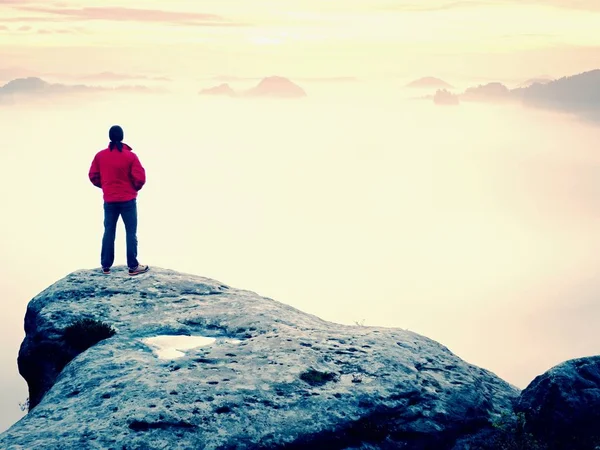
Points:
point(106, 270)
point(139, 269)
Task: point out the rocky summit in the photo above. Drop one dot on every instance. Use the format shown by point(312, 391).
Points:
point(167, 360)
point(562, 406)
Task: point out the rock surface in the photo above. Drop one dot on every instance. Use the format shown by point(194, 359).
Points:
point(269, 376)
point(562, 406)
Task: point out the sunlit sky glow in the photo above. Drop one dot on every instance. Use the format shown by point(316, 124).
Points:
point(489, 38)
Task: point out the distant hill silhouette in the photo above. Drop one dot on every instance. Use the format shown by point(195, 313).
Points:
point(580, 91)
point(222, 89)
point(428, 83)
point(493, 92)
point(329, 79)
point(577, 94)
point(445, 97)
point(269, 87)
point(112, 76)
point(29, 85)
point(25, 84)
point(36, 88)
point(276, 87)
point(233, 78)
point(533, 81)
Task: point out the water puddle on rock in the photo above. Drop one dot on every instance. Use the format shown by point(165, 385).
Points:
point(173, 347)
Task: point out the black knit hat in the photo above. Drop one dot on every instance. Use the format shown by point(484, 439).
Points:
point(115, 133)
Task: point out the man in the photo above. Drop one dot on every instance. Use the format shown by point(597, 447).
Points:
point(120, 175)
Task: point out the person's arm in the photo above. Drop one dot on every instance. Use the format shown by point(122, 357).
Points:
point(94, 173)
point(138, 174)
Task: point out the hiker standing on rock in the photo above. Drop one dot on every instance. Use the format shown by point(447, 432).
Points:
point(120, 175)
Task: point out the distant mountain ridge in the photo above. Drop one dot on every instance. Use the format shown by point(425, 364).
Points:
point(578, 94)
point(445, 97)
point(429, 82)
point(581, 88)
point(276, 87)
point(222, 89)
point(576, 90)
point(532, 81)
point(35, 87)
point(271, 87)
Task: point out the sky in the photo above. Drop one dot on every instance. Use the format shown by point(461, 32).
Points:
point(474, 225)
point(505, 39)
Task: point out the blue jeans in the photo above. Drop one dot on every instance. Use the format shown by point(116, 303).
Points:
point(112, 211)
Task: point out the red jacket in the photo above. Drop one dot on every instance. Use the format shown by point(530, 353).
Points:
point(119, 174)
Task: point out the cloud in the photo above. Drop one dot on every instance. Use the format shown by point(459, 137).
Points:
point(9, 73)
point(233, 78)
point(340, 79)
point(47, 31)
point(441, 5)
point(528, 35)
point(329, 79)
point(438, 6)
point(124, 14)
point(28, 19)
point(112, 76)
point(12, 73)
point(587, 5)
